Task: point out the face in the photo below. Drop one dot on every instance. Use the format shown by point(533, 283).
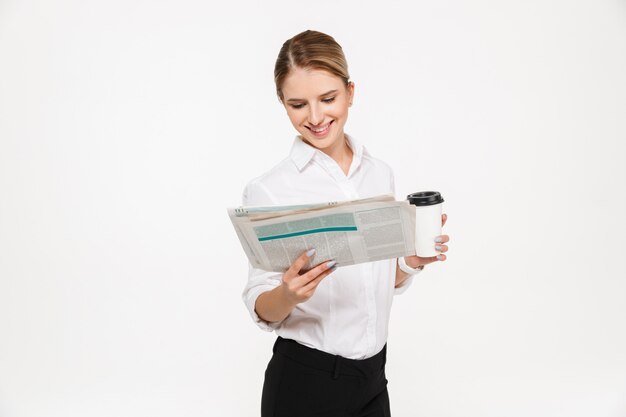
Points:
point(317, 104)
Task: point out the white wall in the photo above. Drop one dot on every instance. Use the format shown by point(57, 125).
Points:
point(128, 127)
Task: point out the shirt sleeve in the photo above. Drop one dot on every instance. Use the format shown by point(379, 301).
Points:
point(407, 283)
point(403, 287)
point(259, 280)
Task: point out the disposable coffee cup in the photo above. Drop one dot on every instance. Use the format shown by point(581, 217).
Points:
point(428, 209)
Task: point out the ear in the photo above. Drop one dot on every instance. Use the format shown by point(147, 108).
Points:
point(350, 88)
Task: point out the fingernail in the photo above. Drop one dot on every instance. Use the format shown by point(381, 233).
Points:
point(330, 264)
point(440, 257)
point(310, 252)
point(438, 247)
point(438, 240)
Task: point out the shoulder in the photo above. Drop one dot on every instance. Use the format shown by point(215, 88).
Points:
point(377, 165)
point(369, 161)
point(260, 190)
point(378, 174)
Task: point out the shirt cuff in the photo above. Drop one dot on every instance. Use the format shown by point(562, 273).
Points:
point(403, 287)
point(250, 301)
point(407, 282)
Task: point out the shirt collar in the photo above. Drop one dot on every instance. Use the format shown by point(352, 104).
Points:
point(302, 153)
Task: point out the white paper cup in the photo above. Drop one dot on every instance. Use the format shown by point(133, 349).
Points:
point(428, 209)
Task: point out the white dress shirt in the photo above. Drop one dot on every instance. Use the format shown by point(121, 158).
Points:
point(348, 314)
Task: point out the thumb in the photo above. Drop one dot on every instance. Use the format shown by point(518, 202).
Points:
point(427, 260)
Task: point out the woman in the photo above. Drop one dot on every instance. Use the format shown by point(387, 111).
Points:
point(331, 320)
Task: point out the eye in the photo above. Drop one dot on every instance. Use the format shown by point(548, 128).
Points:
point(329, 100)
point(297, 106)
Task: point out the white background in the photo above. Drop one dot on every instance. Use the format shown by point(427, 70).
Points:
point(128, 127)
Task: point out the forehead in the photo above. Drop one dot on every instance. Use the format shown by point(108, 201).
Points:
point(309, 83)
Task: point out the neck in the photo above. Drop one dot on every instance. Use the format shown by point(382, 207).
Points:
point(341, 153)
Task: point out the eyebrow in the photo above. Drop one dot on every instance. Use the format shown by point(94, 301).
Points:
point(321, 95)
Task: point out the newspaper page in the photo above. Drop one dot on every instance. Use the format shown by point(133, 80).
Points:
point(349, 232)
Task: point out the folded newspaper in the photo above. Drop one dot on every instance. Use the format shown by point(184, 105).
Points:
point(350, 232)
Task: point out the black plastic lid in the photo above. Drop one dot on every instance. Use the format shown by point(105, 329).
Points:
point(425, 198)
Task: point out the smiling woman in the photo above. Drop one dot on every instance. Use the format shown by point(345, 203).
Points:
point(319, 118)
point(312, 81)
point(329, 357)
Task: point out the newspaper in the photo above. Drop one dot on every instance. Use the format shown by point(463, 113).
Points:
point(350, 232)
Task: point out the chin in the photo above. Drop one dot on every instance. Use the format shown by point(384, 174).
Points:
point(319, 143)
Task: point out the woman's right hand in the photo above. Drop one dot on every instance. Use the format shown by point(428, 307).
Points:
point(296, 287)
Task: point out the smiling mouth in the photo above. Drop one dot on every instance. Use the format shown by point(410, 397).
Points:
point(322, 130)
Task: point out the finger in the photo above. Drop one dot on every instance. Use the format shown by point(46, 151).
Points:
point(299, 263)
point(442, 239)
point(441, 257)
point(441, 248)
point(316, 281)
point(427, 260)
point(314, 272)
point(444, 219)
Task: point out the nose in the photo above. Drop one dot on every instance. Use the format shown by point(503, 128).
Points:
point(316, 116)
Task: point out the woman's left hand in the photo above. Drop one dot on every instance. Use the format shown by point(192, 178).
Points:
point(415, 261)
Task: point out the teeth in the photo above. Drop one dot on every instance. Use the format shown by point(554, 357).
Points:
point(321, 129)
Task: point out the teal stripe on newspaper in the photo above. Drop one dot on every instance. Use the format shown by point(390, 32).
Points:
point(308, 232)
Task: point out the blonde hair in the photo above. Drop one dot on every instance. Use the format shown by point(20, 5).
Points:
point(310, 50)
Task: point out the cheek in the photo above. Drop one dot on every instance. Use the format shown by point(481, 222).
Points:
point(340, 110)
point(295, 117)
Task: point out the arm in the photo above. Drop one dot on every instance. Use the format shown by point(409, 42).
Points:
point(275, 305)
point(401, 276)
point(417, 262)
